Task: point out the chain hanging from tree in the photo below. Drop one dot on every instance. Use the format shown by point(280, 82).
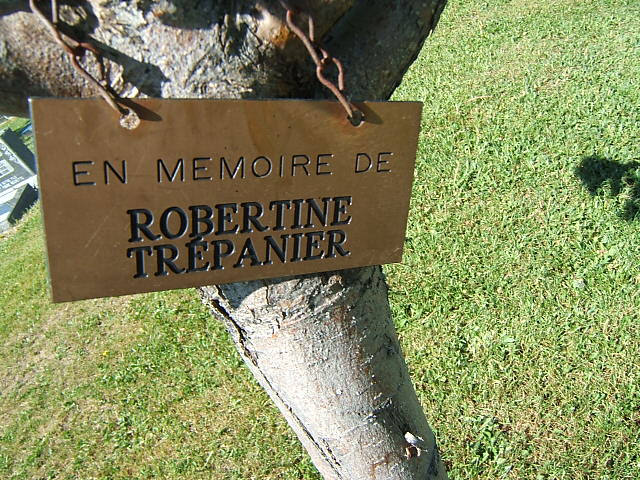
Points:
point(322, 59)
point(128, 118)
point(75, 50)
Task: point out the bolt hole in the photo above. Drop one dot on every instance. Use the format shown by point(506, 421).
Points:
point(129, 120)
point(356, 118)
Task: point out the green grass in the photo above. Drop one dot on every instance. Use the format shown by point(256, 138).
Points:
point(518, 298)
point(146, 386)
point(517, 302)
point(14, 123)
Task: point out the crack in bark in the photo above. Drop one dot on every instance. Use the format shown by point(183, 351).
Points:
point(331, 457)
point(238, 332)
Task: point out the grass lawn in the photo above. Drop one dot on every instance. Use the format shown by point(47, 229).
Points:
point(14, 123)
point(517, 303)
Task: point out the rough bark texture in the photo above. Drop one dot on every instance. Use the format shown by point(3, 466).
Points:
point(323, 346)
point(325, 349)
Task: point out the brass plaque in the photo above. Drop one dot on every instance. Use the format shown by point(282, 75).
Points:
point(217, 191)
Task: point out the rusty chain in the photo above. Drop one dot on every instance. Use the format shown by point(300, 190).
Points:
point(322, 59)
point(75, 49)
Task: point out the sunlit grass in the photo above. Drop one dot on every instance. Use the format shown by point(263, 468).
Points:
point(518, 298)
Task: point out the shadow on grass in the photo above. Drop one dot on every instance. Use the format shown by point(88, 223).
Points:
point(602, 176)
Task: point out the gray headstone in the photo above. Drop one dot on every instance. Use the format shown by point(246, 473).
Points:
point(17, 177)
point(26, 198)
point(13, 170)
point(12, 141)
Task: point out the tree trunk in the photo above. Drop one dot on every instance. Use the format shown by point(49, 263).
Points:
point(323, 346)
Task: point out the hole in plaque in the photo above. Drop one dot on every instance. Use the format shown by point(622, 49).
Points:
point(357, 118)
point(129, 119)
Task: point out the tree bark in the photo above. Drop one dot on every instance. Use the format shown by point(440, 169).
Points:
point(323, 346)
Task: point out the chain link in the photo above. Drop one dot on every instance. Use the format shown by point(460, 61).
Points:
point(322, 59)
point(75, 49)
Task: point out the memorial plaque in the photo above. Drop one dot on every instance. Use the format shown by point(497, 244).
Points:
point(217, 191)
